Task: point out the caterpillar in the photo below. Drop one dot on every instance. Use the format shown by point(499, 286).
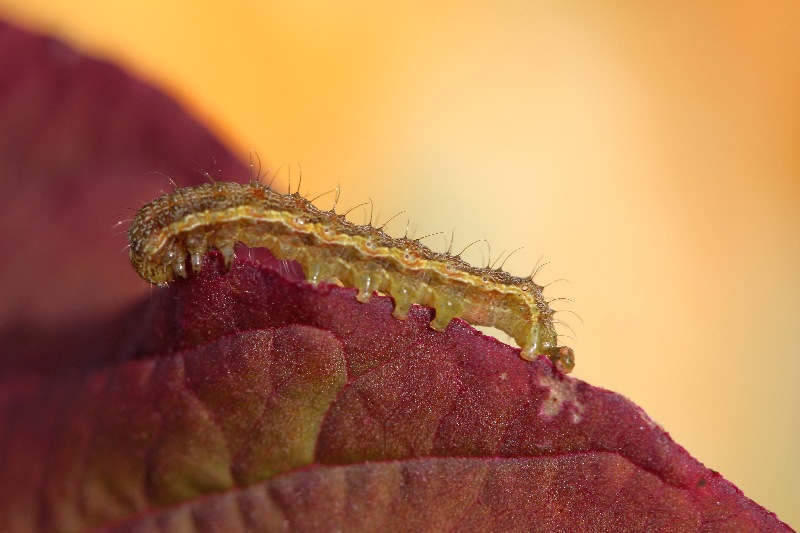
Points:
point(191, 220)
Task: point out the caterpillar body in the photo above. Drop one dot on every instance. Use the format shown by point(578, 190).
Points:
point(191, 220)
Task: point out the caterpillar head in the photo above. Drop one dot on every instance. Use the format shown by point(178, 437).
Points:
point(563, 357)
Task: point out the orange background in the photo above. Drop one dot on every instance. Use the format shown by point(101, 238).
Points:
point(650, 151)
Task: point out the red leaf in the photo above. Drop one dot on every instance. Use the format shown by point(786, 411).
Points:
point(244, 400)
point(79, 143)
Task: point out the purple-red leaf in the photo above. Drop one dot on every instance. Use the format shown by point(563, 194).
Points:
point(243, 400)
point(80, 142)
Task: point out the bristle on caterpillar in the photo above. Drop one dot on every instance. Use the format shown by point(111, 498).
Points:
point(189, 221)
